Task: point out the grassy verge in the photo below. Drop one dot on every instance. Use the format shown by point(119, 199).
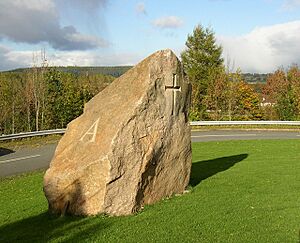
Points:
point(241, 191)
point(30, 142)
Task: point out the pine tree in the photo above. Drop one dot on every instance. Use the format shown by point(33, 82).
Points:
point(201, 60)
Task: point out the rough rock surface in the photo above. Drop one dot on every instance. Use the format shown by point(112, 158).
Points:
point(131, 146)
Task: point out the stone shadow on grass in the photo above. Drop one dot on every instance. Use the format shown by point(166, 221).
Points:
point(202, 170)
point(46, 227)
point(5, 151)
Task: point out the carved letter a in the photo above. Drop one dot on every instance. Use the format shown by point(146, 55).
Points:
point(91, 132)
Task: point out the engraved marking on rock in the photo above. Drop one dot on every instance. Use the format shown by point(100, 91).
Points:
point(91, 132)
point(174, 88)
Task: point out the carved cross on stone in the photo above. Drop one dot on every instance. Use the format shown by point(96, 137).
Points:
point(174, 88)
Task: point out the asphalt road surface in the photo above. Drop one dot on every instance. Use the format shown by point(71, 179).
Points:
point(30, 159)
point(25, 160)
point(221, 135)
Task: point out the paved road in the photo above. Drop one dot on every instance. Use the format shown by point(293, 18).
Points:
point(25, 160)
point(221, 135)
point(29, 159)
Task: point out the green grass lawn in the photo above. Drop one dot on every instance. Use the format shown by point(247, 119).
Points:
point(240, 191)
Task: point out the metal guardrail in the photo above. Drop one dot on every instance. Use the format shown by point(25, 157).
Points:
point(31, 134)
point(194, 123)
point(221, 123)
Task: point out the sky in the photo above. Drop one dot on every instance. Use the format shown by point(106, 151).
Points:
point(256, 35)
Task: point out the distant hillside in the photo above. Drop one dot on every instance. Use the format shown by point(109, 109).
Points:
point(255, 77)
point(116, 71)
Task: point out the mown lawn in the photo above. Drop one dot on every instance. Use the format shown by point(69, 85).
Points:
point(240, 191)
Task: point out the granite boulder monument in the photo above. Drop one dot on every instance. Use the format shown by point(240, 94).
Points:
point(130, 147)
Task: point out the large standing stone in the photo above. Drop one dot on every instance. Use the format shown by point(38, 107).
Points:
point(131, 146)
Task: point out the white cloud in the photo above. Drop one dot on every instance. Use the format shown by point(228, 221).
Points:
point(168, 22)
point(37, 21)
point(89, 58)
point(291, 4)
point(265, 48)
point(11, 59)
point(140, 8)
point(5, 62)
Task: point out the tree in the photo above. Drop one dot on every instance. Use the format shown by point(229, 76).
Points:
point(247, 104)
point(39, 89)
point(233, 79)
point(217, 98)
point(43, 97)
point(54, 99)
point(293, 76)
point(28, 94)
point(277, 84)
point(283, 89)
point(200, 60)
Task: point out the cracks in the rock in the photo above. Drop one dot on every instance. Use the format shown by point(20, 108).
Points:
point(114, 180)
point(148, 175)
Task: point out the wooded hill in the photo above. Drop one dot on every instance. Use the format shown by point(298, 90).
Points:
point(115, 71)
point(255, 77)
point(45, 98)
point(50, 97)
